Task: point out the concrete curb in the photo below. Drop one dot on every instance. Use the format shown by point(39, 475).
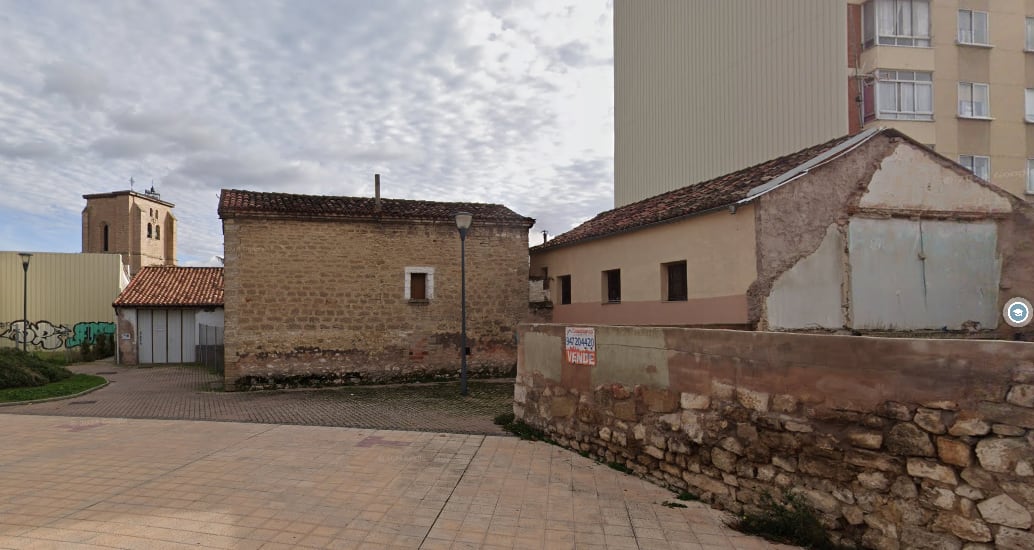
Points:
point(32, 401)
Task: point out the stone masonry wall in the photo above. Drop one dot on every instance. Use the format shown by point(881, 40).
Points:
point(323, 302)
point(896, 443)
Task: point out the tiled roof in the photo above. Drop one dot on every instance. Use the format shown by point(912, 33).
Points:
point(234, 203)
point(166, 286)
point(692, 199)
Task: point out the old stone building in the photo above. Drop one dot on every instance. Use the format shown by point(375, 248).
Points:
point(139, 226)
point(335, 290)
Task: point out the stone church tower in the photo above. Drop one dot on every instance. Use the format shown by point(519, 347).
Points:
point(139, 226)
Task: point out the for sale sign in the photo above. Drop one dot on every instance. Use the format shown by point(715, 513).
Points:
point(580, 346)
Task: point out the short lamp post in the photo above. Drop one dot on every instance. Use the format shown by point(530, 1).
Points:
point(463, 220)
point(25, 299)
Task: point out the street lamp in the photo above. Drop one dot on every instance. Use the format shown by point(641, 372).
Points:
point(25, 299)
point(463, 220)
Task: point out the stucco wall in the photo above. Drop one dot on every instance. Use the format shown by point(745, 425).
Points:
point(718, 249)
point(325, 301)
point(897, 443)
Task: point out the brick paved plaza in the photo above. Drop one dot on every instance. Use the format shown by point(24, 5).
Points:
point(193, 393)
point(81, 473)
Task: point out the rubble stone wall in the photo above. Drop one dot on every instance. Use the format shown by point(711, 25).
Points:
point(897, 443)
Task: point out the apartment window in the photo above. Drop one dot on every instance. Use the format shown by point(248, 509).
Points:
point(612, 286)
point(565, 289)
point(419, 284)
point(1030, 176)
point(1028, 102)
point(973, 100)
point(105, 237)
point(1030, 34)
point(972, 27)
point(981, 166)
point(896, 23)
point(902, 95)
point(674, 281)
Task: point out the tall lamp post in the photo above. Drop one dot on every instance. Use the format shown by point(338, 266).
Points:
point(25, 299)
point(463, 220)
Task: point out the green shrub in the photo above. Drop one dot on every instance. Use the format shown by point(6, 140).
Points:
point(790, 522)
point(19, 369)
point(86, 351)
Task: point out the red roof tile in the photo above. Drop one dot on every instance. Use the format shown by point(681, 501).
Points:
point(692, 199)
point(237, 203)
point(165, 286)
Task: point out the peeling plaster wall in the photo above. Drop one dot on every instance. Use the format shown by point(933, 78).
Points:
point(808, 295)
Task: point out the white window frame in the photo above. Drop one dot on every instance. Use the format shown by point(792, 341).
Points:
point(970, 88)
point(1030, 35)
point(1030, 176)
point(429, 272)
point(973, 164)
point(900, 80)
point(1028, 104)
point(968, 28)
point(873, 34)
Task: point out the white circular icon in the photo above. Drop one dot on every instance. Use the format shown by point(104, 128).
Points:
point(1017, 312)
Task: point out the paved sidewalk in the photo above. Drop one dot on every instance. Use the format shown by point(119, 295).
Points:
point(192, 393)
point(118, 483)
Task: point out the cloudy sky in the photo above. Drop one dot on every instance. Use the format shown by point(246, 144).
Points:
point(507, 102)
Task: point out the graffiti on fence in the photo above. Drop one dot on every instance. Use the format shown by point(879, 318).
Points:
point(48, 336)
point(88, 332)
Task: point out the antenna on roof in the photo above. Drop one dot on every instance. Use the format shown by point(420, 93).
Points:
point(377, 192)
point(545, 235)
point(131, 182)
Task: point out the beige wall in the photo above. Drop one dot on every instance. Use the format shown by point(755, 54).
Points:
point(1005, 66)
point(64, 290)
point(705, 88)
point(128, 214)
point(324, 302)
point(720, 263)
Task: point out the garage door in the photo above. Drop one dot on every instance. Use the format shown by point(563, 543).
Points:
point(166, 336)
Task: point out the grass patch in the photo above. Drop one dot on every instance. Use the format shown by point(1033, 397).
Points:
point(792, 521)
point(670, 504)
point(19, 369)
point(686, 495)
point(620, 466)
point(69, 386)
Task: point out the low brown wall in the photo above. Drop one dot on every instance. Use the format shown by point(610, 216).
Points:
point(897, 443)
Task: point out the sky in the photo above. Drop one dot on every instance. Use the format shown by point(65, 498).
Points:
point(507, 102)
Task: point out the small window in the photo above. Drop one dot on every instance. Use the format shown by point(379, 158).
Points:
point(1030, 176)
point(1030, 34)
point(973, 100)
point(612, 286)
point(419, 284)
point(981, 166)
point(565, 289)
point(158, 232)
point(149, 231)
point(105, 237)
point(1028, 102)
point(150, 212)
point(972, 27)
point(675, 284)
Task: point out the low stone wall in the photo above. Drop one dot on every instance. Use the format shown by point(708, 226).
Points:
point(897, 443)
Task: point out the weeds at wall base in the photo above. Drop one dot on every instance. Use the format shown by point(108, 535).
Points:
point(792, 521)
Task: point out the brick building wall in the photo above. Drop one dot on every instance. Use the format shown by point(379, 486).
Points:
point(324, 301)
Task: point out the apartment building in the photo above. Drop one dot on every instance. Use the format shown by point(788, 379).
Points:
point(706, 88)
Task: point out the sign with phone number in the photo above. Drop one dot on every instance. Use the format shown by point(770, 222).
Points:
point(580, 346)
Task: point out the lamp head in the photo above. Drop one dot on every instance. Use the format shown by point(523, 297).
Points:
point(463, 220)
point(25, 259)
